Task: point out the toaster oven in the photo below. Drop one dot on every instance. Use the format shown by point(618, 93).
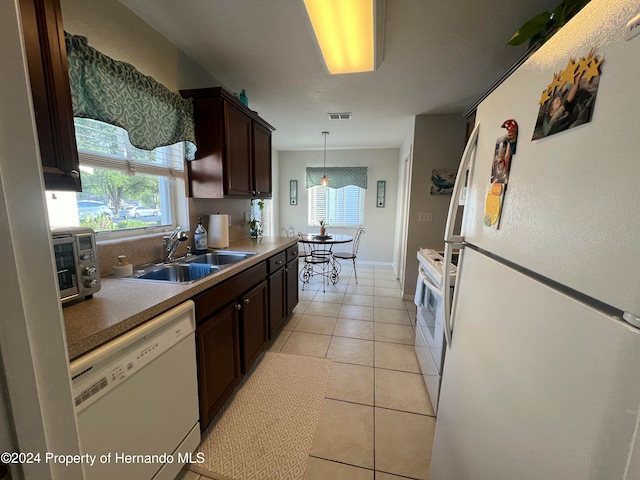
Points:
point(76, 259)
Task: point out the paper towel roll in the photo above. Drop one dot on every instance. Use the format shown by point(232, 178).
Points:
point(218, 231)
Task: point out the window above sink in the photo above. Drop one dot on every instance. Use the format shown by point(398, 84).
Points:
point(119, 178)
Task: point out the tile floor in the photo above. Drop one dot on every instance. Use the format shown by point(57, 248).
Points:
point(377, 422)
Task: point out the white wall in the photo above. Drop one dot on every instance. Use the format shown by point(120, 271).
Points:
point(278, 192)
point(116, 31)
point(438, 143)
point(377, 243)
point(405, 163)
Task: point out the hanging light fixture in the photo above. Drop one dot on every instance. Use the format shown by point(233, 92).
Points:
point(324, 181)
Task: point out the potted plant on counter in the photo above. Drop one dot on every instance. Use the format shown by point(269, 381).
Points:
point(255, 225)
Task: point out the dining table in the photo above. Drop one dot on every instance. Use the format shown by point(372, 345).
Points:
point(321, 246)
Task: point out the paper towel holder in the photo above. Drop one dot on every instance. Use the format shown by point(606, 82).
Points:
point(218, 231)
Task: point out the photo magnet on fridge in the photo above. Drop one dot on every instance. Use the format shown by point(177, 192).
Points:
point(502, 155)
point(568, 100)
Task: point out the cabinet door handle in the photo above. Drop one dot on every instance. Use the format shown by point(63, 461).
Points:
point(279, 262)
point(246, 301)
point(253, 192)
point(74, 174)
point(239, 307)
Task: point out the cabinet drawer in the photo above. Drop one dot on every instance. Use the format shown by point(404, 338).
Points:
point(276, 262)
point(292, 252)
point(217, 296)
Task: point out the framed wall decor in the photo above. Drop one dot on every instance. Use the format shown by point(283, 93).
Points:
point(293, 192)
point(442, 181)
point(380, 198)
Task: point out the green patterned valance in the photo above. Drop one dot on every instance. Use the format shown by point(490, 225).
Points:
point(115, 92)
point(338, 176)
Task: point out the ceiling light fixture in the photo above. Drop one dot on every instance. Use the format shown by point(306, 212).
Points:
point(346, 33)
point(324, 181)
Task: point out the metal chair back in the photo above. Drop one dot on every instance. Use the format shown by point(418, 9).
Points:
point(289, 232)
point(356, 241)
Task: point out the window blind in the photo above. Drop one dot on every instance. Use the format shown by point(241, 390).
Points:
point(339, 207)
point(106, 146)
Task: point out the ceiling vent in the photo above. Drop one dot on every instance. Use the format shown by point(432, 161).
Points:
point(340, 116)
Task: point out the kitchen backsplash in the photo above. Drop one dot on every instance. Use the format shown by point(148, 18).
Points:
point(149, 249)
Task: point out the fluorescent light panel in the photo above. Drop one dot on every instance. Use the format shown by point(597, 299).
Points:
point(345, 32)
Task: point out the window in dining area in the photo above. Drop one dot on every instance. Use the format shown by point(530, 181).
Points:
point(339, 207)
point(341, 202)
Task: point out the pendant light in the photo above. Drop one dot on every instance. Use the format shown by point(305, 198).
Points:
point(324, 181)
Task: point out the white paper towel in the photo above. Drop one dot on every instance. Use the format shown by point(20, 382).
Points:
point(218, 231)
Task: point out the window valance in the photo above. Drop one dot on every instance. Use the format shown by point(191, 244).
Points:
point(338, 176)
point(115, 92)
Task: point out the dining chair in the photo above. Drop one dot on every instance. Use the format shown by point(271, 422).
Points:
point(289, 232)
point(316, 262)
point(352, 254)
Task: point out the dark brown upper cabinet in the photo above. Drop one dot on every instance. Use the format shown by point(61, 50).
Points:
point(49, 76)
point(234, 148)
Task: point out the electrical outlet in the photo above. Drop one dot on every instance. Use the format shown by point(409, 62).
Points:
point(425, 217)
point(229, 219)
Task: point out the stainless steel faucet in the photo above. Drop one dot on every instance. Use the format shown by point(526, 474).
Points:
point(171, 242)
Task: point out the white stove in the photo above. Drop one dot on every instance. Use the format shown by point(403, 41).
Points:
point(430, 339)
point(433, 264)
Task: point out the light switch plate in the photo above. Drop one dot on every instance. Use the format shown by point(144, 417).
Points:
point(425, 217)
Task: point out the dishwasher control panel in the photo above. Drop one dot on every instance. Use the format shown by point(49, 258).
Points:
point(96, 379)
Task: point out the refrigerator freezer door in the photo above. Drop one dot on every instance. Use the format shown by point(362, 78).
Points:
point(536, 385)
point(570, 210)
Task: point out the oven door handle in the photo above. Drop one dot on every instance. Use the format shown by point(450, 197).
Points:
point(432, 287)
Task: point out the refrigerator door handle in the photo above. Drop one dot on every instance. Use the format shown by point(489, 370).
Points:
point(446, 288)
point(458, 186)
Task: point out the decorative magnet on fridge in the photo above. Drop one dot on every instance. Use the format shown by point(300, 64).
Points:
point(503, 153)
point(512, 133)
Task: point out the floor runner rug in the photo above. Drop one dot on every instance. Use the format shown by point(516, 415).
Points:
point(265, 430)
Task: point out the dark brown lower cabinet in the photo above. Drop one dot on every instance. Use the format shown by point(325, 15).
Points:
point(234, 322)
point(253, 324)
point(291, 280)
point(232, 331)
point(277, 297)
point(218, 351)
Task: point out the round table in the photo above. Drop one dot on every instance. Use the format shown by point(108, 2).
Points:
point(316, 240)
point(330, 239)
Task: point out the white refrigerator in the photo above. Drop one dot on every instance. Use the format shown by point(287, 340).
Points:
point(542, 372)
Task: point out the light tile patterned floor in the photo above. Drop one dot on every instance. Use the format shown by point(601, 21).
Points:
point(377, 422)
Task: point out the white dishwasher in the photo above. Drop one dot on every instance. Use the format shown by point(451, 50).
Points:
point(136, 400)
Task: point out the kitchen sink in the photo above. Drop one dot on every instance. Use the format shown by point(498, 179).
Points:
point(223, 257)
point(190, 268)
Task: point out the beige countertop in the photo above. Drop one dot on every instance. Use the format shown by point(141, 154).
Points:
point(123, 304)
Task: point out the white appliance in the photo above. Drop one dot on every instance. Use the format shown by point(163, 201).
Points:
point(542, 378)
point(430, 303)
point(136, 400)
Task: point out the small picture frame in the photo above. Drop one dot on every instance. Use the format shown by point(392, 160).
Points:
point(293, 192)
point(380, 193)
